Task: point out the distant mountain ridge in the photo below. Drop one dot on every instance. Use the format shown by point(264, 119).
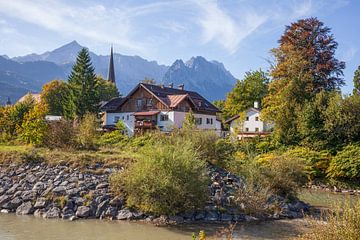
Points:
point(22, 74)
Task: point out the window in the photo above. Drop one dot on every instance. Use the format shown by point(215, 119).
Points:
point(139, 103)
point(116, 119)
point(209, 121)
point(246, 129)
point(247, 119)
point(164, 117)
point(127, 117)
point(149, 102)
point(256, 118)
point(256, 129)
point(123, 117)
point(198, 121)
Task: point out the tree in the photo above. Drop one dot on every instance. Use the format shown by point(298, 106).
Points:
point(106, 89)
point(357, 81)
point(83, 82)
point(33, 128)
point(305, 65)
point(148, 80)
point(59, 98)
point(87, 135)
point(252, 88)
point(189, 121)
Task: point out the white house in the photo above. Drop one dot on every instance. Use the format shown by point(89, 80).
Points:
point(251, 125)
point(150, 106)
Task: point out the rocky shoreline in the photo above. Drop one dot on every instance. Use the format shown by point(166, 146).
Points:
point(69, 193)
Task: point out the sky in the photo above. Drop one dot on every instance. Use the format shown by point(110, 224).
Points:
point(238, 33)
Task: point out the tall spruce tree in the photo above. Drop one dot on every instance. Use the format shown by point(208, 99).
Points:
point(84, 85)
point(357, 81)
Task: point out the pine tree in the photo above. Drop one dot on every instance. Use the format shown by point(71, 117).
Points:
point(84, 85)
point(357, 81)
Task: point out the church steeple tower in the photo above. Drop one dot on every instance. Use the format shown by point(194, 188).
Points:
point(111, 73)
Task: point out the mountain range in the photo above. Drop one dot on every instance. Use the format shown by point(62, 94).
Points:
point(28, 73)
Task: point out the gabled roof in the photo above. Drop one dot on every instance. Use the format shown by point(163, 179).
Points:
point(163, 93)
point(170, 97)
point(237, 115)
point(113, 104)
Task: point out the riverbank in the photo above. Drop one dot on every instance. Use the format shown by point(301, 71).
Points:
point(62, 191)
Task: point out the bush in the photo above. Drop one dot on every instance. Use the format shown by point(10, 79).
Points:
point(60, 134)
point(34, 126)
point(118, 136)
point(344, 223)
point(317, 162)
point(167, 179)
point(346, 164)
point(87, 135)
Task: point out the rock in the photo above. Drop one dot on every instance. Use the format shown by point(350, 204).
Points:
point(39, 212)
point(40, 203)
point(73, 192)
point(102, 185)
point(212, 216)
point(73, 218)
point(13, 189)
point(25, 208)
point(226, 217)
point(28, 195)
point(60, 190)
point(101, 208)
point(53, 212)
point(110, 212)
point(116, 202)
point(83, 212)
point(176, 219)
point(124, 214)
point(199, 216)
point(67, 213)
point(39, 186)
point(13, 204)
point(250, 218)
point(4, 211)
point(4, 199)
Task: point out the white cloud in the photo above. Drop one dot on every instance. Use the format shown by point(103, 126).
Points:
point(220, 27)
point(349, 54)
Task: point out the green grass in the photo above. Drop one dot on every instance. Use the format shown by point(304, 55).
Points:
point(108, 157)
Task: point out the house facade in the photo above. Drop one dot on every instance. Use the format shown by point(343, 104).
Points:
point(250, 125)
point(150, 106)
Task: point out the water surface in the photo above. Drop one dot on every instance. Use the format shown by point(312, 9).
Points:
point(30, 228)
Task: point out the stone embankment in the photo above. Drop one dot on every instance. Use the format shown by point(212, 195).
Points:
point(64, 192)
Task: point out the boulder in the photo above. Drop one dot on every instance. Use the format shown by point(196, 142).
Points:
point(4, 199)
point(83, 212)
point(211, 216)
point(13, 204)
point(40, 203)
point(60, 190)
point(25, 208)
point(102, 185)
point(39, 212)
point(53, 212)
point(101, 208)
point(67, 213)
point(124, 214)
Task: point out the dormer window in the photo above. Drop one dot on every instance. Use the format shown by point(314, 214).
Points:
point(256, 118)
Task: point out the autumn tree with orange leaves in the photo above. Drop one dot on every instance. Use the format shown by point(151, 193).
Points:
point(305, 65)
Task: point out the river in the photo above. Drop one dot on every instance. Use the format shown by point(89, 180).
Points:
point(30, 228)
point(14, 227)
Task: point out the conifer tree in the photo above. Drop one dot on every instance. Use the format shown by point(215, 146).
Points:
point(357, 81)
point(84, 85)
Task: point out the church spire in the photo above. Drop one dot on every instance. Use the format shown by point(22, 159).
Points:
point(111, 73)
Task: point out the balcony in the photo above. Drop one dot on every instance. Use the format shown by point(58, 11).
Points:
point(145, 124)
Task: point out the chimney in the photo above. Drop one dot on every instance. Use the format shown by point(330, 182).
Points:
point(256, 104)
point(181, 86)
point(171, 85)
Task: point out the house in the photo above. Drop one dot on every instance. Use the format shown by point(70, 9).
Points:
point(150, 106)
point(251, 125)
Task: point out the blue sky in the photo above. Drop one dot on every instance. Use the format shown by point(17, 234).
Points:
point(238, 33)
